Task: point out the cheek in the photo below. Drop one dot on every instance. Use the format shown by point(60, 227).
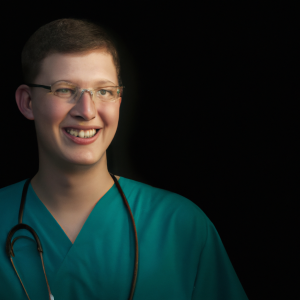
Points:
point(49, 114)
point(109, 115)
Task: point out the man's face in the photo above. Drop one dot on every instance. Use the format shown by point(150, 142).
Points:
point(51, 114)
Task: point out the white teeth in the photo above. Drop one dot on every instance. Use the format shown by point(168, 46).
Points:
point(82, 133)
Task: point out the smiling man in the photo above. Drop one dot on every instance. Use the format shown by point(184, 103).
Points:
point(82, 232)
point(74, 128)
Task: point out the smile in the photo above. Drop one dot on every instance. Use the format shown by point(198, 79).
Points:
point(82, 137)
point(82, 133)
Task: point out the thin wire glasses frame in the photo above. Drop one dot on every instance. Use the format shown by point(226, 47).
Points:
point(115, 93)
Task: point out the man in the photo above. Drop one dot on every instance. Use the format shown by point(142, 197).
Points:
point(73, 93)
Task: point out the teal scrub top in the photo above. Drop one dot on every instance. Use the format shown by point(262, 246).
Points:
point(181, 255)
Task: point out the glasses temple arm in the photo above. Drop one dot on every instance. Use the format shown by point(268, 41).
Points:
point(47, 87)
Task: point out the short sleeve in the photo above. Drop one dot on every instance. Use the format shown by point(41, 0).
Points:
point(216, 279)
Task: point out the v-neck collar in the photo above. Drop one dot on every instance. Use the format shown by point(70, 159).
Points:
point(56, 244)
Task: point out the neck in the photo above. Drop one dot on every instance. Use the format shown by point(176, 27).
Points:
point(71, 191)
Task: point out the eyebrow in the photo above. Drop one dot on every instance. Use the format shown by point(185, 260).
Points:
point(105, 82)
point(94, 83)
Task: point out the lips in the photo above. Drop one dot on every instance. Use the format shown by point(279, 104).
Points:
point(79, 140)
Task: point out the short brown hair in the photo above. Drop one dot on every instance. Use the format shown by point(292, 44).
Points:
point(65, 36)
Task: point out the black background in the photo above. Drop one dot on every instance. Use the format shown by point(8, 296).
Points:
point(207, 113)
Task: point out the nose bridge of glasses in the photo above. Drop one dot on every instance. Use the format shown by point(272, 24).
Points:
point(90, 91)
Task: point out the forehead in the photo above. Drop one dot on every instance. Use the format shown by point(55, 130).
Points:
point(80, 68)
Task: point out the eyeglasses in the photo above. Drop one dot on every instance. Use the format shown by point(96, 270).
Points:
point(72, 92)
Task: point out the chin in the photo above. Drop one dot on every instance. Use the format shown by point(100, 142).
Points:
point(84, 158)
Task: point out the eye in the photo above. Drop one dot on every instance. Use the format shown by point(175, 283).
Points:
point(63, 91)
point(102, 92)
point(107, 92)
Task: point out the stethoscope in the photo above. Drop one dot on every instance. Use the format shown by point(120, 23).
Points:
point(9, 244)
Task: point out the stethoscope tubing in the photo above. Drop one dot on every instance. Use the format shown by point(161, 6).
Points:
point(20, 225)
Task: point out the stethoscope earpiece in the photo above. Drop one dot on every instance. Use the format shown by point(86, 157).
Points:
point(9, 244)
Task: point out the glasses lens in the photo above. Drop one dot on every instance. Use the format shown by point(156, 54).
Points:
point(108, 94)
point(64, 89)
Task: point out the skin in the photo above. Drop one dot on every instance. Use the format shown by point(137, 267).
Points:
point(71, 178)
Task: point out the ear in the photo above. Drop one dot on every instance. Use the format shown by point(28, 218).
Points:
point(24, 101)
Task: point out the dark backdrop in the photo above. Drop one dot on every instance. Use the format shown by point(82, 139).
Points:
point(205, 114)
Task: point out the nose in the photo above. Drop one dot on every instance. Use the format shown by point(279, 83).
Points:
point(84, 107)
